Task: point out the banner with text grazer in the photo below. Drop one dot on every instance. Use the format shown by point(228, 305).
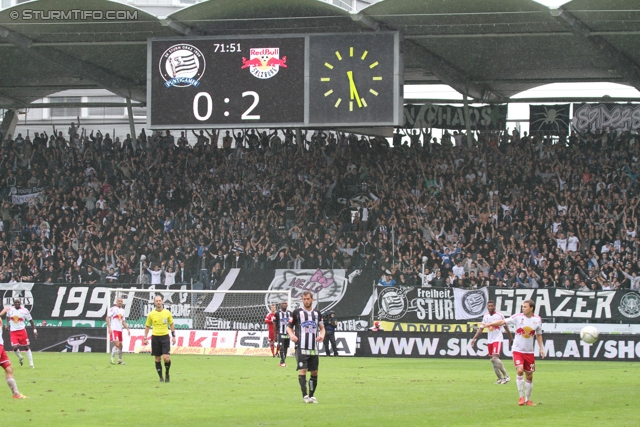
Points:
point(75, 301)
point(484, 117)
point(566, 305)
point(457, 345)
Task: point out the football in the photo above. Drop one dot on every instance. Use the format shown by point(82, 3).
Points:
point(589, 334)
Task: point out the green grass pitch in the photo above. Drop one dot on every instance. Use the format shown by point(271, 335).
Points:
point(83, 389)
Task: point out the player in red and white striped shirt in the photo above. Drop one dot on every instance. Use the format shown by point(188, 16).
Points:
point(528, 327)
point(494, 342)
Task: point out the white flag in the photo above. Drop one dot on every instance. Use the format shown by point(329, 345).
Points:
point(470, 304)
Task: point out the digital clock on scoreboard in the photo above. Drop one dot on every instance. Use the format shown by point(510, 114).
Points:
point(270, 81)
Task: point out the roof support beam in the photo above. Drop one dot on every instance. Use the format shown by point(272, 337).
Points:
point(448, 74)
point(180, 27)
point(625, 66)
point(440, 68)
point(81, 69)
point(12, 102)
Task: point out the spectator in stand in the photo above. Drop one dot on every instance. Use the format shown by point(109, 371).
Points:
point(386, 279)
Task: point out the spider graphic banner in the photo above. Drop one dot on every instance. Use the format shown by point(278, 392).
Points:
point(549, 118)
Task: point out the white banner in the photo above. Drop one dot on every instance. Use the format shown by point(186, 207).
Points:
point(470, 304)
point(21, 195)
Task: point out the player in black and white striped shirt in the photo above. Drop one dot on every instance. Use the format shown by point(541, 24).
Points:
point(282, 320)
point(307, 330)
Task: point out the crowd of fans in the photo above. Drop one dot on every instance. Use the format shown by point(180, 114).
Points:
point(501, 209)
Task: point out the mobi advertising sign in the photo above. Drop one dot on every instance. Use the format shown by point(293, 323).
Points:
point(457, 345)
point(246, 343)
point(410, 304)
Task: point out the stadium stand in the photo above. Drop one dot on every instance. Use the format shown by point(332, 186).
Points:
point(513, 211)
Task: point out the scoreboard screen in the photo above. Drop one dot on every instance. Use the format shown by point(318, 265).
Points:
point(275, 81)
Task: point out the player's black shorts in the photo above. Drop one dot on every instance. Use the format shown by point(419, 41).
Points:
point(160, 345)
point(307, 359)
point(283, 340)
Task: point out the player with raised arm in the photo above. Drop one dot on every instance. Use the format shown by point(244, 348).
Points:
point(282, 320)
point(161, 320)
point(307, 330)
point(6, 365)
point(270, 321)
point(17, 317)
point(527, 326)
point(115, 323)
point(494, 342)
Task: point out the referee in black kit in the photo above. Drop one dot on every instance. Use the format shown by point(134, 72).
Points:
point(306, 331)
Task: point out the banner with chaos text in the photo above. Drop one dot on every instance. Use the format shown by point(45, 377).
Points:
point(483, 117)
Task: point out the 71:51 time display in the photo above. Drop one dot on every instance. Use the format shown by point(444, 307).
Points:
point(226, 48)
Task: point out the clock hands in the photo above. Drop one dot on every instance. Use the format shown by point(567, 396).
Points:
point(353, 90)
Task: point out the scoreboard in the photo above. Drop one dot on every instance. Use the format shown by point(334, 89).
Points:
point(311, 80)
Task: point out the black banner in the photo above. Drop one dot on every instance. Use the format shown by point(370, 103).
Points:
point(74, 301)
point(566, 305)
point(549, 118)
point(73, 340)
point(557, 346)
point(351, 296)
point(484, 117)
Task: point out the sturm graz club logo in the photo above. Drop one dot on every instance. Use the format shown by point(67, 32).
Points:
point(26, 298)
point(327, 286)
point(392, 302)
point(182, 65)
point(474, 302)
point(630, 305)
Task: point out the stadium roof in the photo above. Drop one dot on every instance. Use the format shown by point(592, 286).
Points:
point(488, 50)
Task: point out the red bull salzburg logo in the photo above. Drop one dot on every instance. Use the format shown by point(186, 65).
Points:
point(265, 62)
point(526, 332)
